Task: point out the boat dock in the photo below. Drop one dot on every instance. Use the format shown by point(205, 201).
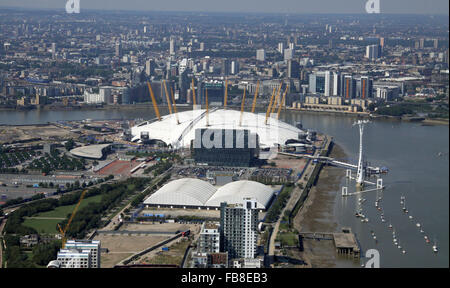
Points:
point(345, 241)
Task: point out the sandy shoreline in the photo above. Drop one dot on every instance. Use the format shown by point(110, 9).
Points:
point(317, 214)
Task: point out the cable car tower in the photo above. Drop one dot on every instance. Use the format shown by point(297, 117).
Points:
point(361, 167)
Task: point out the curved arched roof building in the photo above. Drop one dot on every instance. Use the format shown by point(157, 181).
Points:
point(180, 135)
point(189, 192)
point(233, 192)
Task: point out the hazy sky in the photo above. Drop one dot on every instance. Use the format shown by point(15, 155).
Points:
point(277, 6)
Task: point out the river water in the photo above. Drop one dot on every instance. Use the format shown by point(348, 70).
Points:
point(409, 150)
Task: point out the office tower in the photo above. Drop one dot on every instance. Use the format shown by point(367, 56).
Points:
point(225, 70)
point(436, 43)
point(234, 67)
point(288, 54)
point(373, 52)
point(172, 46)
point(53, 50)
point(280, 47)
point(330, 44)
point(292, 46)
point(293, 70)
point(209, 240)
point(366, 87)
point(149, 67)
point(202, 46)
point(421, 43)
point(238, 228)
point(118, 49)
point(328, 84)
point(93, 246)
point(320, 83)
point(349, 87)
point(336, 84)
point(261, 55)
point(382, 42)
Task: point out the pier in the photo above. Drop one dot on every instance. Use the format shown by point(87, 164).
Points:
point(345, 242)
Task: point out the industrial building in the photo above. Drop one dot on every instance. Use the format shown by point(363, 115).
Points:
point(190, 193)
point(225, 147)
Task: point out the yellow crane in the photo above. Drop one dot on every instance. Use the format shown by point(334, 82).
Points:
point(155, 106)
point(270, 105)
point(226, 94)
point(63, 232)
point(174, 106)
point(193, 92)
point(282, 101)
point(167, 98)
point(242, 108)
point(254, 98)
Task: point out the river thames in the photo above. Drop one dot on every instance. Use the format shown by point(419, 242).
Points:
point(417, 158)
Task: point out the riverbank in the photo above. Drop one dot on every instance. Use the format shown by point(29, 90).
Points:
point(317, 215)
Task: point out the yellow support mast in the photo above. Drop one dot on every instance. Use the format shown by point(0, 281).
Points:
point(174, 106)
point(242, 108)
point(254, 98)
point(226, 94)
point(155, 106)
point(270, 105)
point(276, 98)
point(63, 232)
point(282, 101)
point(167, 97)
point(207, 110)
point(193, 93)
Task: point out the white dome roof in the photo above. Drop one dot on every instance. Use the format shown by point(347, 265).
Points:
point(180, 135)
point(183, 192)
point(233, 193)
point(198, 193)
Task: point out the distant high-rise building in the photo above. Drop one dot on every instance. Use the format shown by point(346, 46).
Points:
point(234, 67)
point(261, 55)
point(118, 49)
point(293, 69)
point(172, 46)
point(225, 67)
point(288, 54)
point(202, 46)
point(320, 83)
point(421, 43)
point(366, 88)
point(239, 228)
point(382, 42)
point(53, 50)
point(280, 47)
point(435, 43)
point(336, 84)
point(149, 67)
point(349, 87)
point(373, 52)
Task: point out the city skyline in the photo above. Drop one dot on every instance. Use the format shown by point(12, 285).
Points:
point(438, 7)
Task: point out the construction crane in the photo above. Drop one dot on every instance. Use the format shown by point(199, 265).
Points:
point(207, 110)
point(193, 92)
point(282, 101)
point(167, 98)
point(242, 108)
point(276, 98)
point(155, 106)
point(270, 105)
point(226, 94)
point(254, 98)
point(174, 106)
point(63, 232)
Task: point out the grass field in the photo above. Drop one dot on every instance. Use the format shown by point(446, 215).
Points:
point(288, 239)
point(63, 211)
point(48, 226)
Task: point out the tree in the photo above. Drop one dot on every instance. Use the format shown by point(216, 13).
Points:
point(69, 144)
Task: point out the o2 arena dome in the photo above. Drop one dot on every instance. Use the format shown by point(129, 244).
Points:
point(178, 130)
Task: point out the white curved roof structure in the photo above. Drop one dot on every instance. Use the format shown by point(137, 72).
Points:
point(183, 192)
point(180, 135)
point(233, 192)
point(90, 151)
point(198, 193)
